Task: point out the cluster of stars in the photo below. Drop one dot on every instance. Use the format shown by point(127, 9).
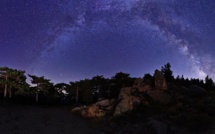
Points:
point(80, 39)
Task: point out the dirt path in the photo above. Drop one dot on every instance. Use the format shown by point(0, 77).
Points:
point(41, 120)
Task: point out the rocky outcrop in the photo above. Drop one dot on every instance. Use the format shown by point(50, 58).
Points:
point(92, 111)
point(179, 110)
point(145, 88)
point(160, 81)
point(159, 96)
point(141, 86)
point(139, 82)
point(129, 98)
point(140, 93)
point(97, 110)
point(103, 103)
point(126, 101)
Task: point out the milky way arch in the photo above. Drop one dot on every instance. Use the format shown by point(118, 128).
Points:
point(162, 17)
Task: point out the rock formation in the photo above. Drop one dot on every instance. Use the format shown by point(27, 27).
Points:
point(139, 82)
point(129, 98)
point(126, 101)
point(97, 110)
point(160, 81)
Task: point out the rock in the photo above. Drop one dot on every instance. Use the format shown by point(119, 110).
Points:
point(139, 82)
point(86, 111)
point(141, 86)
point(145, 88)
point(112, 101)
point(103, 103)
point(77, 109)
point(100, 113)
point(160, 81)
point(112, 105)
point(107, 106)
point(126, 102)
point(97, 110)
point(159, 96)
point(92, 111)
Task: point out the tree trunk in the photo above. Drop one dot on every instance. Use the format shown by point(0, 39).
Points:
point(5, 88)
point(37, 96)
point(10, 92)
point(5, 91)
point(37, 93)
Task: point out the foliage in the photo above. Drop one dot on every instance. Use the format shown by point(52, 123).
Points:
point(167, 72)
point(209, 83)
point(148, 79)
point(14, 80)
point(42, 85)
point(121, 80)
point(88, 90)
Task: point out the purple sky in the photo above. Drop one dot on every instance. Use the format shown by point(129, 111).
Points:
point(68, 40)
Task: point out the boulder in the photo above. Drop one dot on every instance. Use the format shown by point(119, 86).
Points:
point(76, 109)
point(103, 103)
point(106, 106)
point(145, 88)
point(90, 111)
point(160, 81)
point(159, 96)
point(110, 108)
point(100, 113)
point(112, 101)
point(126, 102)
point(139, 82)
point(97, 110)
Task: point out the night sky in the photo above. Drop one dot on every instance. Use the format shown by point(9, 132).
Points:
point(69, 40)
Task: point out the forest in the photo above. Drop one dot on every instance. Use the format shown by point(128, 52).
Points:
point(14, 88)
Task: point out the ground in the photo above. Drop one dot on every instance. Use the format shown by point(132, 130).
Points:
point(187, 115)
point(26, 119)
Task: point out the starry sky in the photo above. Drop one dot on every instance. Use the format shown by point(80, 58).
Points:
point(69, 40)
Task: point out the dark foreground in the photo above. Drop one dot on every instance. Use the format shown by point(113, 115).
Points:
point(22, 119)
point(36, 119)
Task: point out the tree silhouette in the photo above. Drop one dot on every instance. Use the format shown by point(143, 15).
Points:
point(5, 74)
point(98, 83)
point(148, 79)
point(73, 91)
point(61, 91)
point(17, 81)
point(209, 84)
point(85, 89)
point(121, 80)
point(61, 88)
point(42, 85)
point(167, 72)
point(12, 79)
